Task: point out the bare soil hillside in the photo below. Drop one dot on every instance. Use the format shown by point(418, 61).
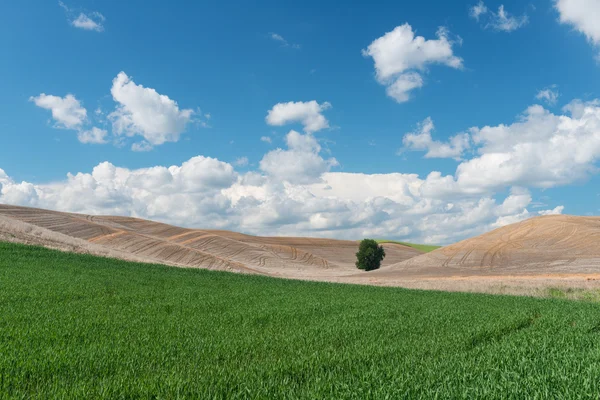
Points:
point(553, 244)
point(143, 240)
point(525, 258)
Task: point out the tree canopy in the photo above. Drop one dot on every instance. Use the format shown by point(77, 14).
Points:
point(369, 255)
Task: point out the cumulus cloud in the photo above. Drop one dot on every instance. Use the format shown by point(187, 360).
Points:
point(90, 22)
point(301, 163)
point(582, 15)
point(207, 193)
point(3, 177)
point(23, 193)
point(295, 191)
point(67, 111)
point(172, 194)
point(548, 95)
point(143, 111)
point(401, 87)
point(94, 136)
point(401, 57)
point(308, 113)
point(540, 149)
point(555, 211)
point(140, 111)
point(265, 139)
point(499, 21)
point(422, 141)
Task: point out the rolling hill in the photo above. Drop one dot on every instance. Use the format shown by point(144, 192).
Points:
point(544, 252)
point(141, 240)
point(557, 244)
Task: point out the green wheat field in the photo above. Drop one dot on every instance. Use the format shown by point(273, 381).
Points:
point(78, 326)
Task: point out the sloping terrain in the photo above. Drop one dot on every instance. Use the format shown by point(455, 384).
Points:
point(524, 258)
point(142, 240)
point(553, 244)
point(81, 327)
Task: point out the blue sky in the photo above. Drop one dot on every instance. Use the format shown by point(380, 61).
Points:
point(229, 64)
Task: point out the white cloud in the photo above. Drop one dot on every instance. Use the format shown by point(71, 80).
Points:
point(300, 164)
point(66, 111)
point(23, 193)
point(499, 21)
point(294, 192)
point(400, 88)
point(4, 179)
point(549, 95)
point(278, 38)
point(422, 141)
point(200, 173)
point(90, 22)
point(401, 57)
point(241, 162)
point(207, 193)
point(265, 139)
point(503, 21)
point(189, 192)
point(518, 199)
point(556, 211)
point(478, 10)
point(140, 111)
point(93, 136)
point(583, 15)
point(540, 150)
point(308, 113)
point(143, 111)
point(85, 22)
point(142, 146)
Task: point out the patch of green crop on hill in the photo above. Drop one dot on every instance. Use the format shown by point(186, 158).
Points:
point(77, 326)
point(425, 248)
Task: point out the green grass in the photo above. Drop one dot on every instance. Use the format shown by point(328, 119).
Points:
point(76, 326)
point(572, 294)
point(426, 248)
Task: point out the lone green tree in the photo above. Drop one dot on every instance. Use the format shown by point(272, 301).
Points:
point(369, 255)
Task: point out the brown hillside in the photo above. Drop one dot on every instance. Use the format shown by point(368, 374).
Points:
point(558, 244)
point(143, 240)
point(524, 258)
